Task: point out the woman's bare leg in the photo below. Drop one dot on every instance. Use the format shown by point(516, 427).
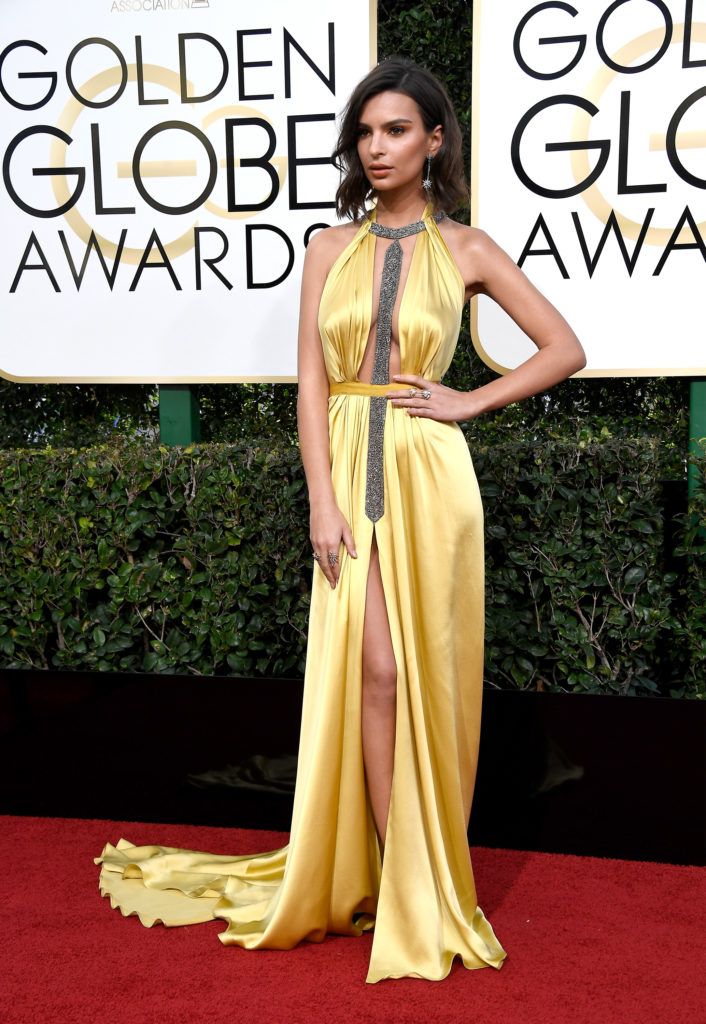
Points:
point(379, 702)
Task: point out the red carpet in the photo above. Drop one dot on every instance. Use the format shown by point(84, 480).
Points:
point(589, 940)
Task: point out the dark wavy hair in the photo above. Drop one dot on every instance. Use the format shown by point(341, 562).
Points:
point(397, 74)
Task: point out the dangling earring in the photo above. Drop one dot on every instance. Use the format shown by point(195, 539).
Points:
point(426, 183)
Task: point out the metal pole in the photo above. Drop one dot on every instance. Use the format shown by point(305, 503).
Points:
point(179, 421)
point(697, 429)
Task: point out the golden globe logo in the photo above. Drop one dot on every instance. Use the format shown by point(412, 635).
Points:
point(161, 183)
point(589, 168)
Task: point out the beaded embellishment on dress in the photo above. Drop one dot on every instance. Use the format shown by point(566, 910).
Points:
point(391, 268)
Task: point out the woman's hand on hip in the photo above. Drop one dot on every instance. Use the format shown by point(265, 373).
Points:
point(441, 403)
point(328, 531)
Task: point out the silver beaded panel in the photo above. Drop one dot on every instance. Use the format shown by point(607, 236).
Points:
point(391, 268)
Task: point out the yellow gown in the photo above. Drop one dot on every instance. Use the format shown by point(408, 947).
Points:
point(421, 904)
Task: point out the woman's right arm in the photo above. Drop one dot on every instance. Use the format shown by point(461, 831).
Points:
point(328, 526)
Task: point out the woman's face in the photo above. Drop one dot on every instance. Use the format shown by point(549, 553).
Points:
point(393, 143)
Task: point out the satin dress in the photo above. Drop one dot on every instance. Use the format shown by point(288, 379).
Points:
point(421, 901)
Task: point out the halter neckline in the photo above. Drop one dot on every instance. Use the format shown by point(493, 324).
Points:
point(389, 284)
point(382, 231)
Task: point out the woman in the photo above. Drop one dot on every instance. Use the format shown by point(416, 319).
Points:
point(393, 685)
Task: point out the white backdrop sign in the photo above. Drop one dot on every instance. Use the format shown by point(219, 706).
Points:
point(164, 164)
point(589, 168)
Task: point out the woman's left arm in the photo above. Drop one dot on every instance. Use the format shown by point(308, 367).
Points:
point(559, 354)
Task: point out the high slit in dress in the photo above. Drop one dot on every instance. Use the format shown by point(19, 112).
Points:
point(420, 902)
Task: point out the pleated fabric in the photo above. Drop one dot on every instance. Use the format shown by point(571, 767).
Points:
point(421, 903)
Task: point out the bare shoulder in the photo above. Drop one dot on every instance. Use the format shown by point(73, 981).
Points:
point(464, 238)
point(473, 251)
point(326, 245)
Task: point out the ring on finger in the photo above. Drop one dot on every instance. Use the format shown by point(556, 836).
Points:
point(332, 557)
point(412, 392)
point(426, 393)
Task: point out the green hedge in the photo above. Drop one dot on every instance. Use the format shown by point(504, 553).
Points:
point(139, 557)
point(690, 624)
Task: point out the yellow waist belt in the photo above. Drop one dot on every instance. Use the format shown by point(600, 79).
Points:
point(360, 387)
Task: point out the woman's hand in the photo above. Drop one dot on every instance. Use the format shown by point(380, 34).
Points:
point(328, 530)
point(443, 404)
